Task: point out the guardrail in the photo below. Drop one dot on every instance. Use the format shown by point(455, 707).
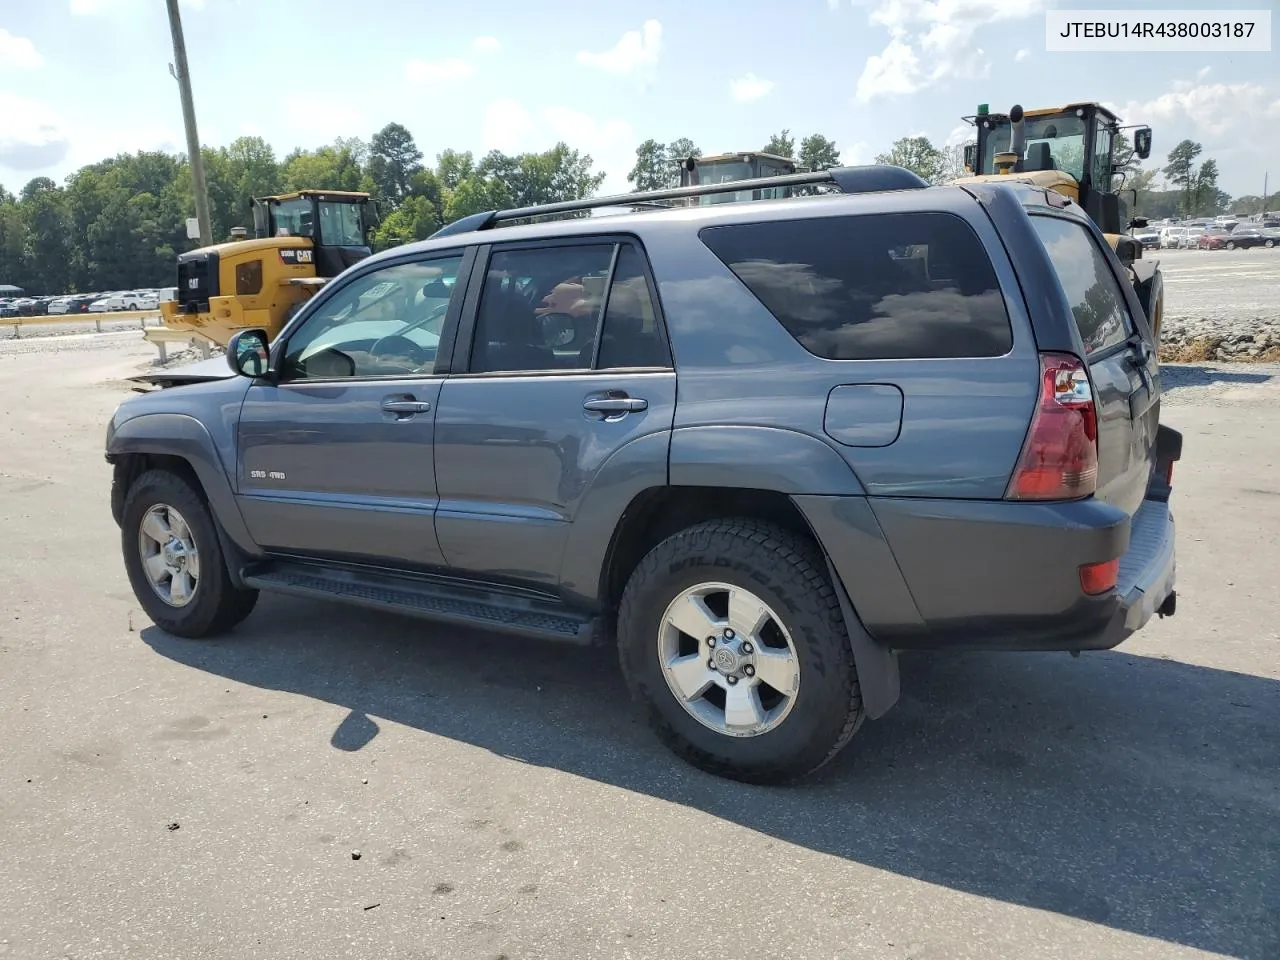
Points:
point(71, 319)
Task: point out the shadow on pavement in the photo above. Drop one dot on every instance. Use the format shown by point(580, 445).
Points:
point(1177, 375)
point(1137, 793)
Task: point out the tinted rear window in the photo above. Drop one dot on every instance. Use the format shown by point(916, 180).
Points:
point(872, 287)
point(1097, 302)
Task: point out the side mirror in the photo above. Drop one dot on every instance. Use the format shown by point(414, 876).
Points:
point(1137, 223)
point(1142, 142)
point(971, 157)
point(247, 353)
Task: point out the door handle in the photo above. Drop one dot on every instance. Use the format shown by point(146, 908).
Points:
point(615, 404)
point(405, 406)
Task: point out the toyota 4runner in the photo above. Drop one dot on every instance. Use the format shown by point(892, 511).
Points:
point(760, 446)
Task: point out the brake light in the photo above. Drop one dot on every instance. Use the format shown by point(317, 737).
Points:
point(1059, 459)
point(1098, 578)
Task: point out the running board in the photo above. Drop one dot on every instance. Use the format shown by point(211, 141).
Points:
point(484, 609)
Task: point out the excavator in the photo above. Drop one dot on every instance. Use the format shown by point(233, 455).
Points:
point(1070, 150)
point(301, 241)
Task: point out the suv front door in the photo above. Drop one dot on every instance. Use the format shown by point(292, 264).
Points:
point(335, 457)
point(561, 364)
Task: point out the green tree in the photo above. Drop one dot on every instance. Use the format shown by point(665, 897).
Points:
point(334, 167)
point(394, 159)
point(1182, 173)
point(47, 249)
point(13, 241)
point(919, 155)
point(415, 219)
point(453, 167)
point(781, 144)
point(651, 170)
point(819, 153)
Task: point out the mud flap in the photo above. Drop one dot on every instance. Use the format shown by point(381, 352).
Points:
point(877, 665)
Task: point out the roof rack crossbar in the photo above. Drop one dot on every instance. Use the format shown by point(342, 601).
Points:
point(863, 179)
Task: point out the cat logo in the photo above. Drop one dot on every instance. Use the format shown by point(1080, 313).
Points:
point(292, 255)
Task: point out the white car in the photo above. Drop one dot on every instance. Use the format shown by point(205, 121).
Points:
point(128, 300)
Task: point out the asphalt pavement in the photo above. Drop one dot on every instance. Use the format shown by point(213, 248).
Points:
point(326, 782)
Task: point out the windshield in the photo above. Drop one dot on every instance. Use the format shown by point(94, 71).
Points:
point(1053, 143)
point(292, 218)
point(340, 224)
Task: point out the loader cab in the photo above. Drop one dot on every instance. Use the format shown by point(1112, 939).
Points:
point(696, 171)
point(1077, 141)
point(336, 222)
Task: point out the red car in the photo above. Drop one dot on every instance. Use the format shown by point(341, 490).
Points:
point(1213, 238)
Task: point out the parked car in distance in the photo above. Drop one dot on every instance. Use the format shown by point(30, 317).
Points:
point(1149, 237)
point(895, 417)
point(127, 300)
point(8, 307)
point(1171, 237)
point(1191, 237)
point(1213, 238)
point(1245, 237)
point(78, 303)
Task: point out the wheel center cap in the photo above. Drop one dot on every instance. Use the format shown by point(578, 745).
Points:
point(727, 660)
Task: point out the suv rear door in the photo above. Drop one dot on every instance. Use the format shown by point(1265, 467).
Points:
point(1119, 350)
point(561, 361)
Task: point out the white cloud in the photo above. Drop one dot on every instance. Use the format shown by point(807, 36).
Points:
point(18, 52)
point(486, 45)
point(856, 154)
point(438, 71)
point(749, 87)
point(32, 136)
point(961, 133)
point(933, 40)
point(1238, 124)
point(1021, 55)
point(511, 127)
point(637, 48)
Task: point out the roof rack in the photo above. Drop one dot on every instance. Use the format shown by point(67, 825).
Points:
point(864, 179)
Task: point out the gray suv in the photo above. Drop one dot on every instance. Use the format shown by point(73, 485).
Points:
point(761, 446)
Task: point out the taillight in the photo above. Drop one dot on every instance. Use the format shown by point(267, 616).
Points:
point(1059, 459)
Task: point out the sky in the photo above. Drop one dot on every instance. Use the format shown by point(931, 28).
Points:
point(81, 80)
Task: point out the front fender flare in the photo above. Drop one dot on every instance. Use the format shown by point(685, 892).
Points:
point(185, 437)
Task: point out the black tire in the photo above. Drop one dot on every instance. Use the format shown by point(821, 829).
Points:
point(788, 573)
point(1269, 244)
point(1231, 245)
point(217, 604)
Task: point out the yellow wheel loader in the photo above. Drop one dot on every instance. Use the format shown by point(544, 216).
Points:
point(301, 241)
point(1072, 151)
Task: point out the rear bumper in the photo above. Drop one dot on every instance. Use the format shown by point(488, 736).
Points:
point(982, 575)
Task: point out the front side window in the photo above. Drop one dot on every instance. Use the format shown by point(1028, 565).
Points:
point(1053, 143)
point(292, 218)
point(1102, 159)
point(385, 323)
point(340, 224)
point(1097, 302)
point(872, 287)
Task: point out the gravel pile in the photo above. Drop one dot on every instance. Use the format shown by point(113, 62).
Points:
point(1236, 339)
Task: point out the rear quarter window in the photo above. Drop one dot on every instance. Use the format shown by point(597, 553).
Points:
point(872, 286)
point(1097, 302)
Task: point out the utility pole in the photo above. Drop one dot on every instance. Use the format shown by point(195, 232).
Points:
point(194, 157)
point(1265, 178)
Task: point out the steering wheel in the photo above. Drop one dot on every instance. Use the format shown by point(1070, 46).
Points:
point(401, 346)
point(558, 329)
